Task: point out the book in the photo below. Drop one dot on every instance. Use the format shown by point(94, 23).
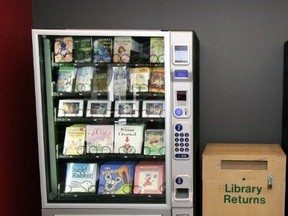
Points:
point(139, 78)
point(65, 79)
point(102, 50)
point(116, 177)
point(81, 177)
point(63, 49)
point(74, 141)
point(120, 85)
point(157, 80)
point(100, 80)
point(82, 49)
point(128, 139)
point(156, 50)
point(70, 108)
point(153, 109)
point(122, 49)
point(98, 108)
point(126, 108)
point(149, 178)
point(154, 142)
point(84, 76)
point(99, 138)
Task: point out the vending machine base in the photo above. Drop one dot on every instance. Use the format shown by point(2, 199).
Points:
point(105, 212)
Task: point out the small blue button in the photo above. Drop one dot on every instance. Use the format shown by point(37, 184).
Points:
point(178, 112)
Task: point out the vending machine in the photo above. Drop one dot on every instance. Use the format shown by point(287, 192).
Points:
point(118, 121)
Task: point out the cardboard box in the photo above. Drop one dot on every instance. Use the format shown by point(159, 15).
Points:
point(243, 180)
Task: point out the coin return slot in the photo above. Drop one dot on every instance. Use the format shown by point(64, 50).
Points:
point(182, 193)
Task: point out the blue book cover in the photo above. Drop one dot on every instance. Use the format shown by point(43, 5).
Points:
point(116, 177)
point(81, 177)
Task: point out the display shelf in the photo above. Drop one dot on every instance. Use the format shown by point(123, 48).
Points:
point(111, 156)
point(111, 120)
point(111, 198)
point(105, 65)
point(104, 95)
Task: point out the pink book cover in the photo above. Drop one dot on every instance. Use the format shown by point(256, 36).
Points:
point(99, 138)
point(149, 178)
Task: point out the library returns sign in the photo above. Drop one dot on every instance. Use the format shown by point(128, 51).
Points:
point(243, 179)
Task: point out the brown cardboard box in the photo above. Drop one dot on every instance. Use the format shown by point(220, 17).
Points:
point(243, 180)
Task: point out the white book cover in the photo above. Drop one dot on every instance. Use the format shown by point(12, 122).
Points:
point(128, 139)
point(122, 49)
point(81, 177)
point(139, 77)
point(84, 76)
point(99, 138)
point(118, 88)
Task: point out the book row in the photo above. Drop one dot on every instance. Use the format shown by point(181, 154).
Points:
point(116, 177)
point(104, 108)
point(122, 139)
point(108, 49)
point(117, 80)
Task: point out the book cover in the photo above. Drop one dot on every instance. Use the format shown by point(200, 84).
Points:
point(116, 177)
point(65, 79)
point(99, 138)
point(153, 109)
point(70, 108)
point(74, 141)
point(126, 108)
point(98, 108)
point(102, 50)
point(120, 83)
point(128, 139)
point(149, 178)
point(63, 49)
point(82, 49)
point(139, 78)
point(84, 76)
point(81, 177)
point(122, 49)
point(156, 50)
point(154, 142)
point(100, 80)
point(157, 80)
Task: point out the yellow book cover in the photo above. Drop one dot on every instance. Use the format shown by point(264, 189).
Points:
point(74, 142)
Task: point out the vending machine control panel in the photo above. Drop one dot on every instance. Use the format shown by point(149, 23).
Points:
point(182, 123)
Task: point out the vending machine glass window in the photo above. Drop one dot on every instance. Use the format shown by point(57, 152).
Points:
point(104, 114)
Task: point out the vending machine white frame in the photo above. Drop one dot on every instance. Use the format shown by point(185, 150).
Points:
point(180, 113)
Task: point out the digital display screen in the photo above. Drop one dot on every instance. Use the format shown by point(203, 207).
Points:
point(181, 95)
point(181, 54)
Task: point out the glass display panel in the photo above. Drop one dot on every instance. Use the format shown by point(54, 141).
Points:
point(103, 101)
